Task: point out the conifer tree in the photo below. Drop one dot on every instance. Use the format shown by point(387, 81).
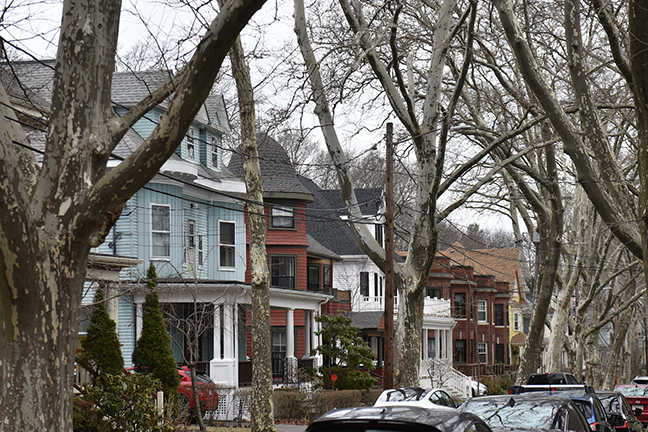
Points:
point(101, 348)
point(152, 352)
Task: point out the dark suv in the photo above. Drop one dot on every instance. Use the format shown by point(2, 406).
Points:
point(552, 378)
point(593, 410)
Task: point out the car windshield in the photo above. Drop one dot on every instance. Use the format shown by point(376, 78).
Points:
point(502, 414)
point(634, 390)
point(407, 394)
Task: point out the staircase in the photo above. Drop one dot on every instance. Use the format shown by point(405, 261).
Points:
point(439, 373)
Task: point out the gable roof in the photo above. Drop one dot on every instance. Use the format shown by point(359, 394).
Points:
point(502, 263)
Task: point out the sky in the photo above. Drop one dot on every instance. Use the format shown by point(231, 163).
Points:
point(35, 28)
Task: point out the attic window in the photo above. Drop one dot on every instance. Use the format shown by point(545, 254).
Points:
point(214, 152)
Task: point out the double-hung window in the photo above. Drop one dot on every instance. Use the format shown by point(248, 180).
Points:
point(364, 284)
point(283, 217)
point(516, 321)
point(314, 277)
point(283, 271)
point(499, 314)
point(460, 305)
point(160, 231)
point(482, 315)
point(482, 352)
point(227, 244)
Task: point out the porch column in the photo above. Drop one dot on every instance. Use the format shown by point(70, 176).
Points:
point(291, 360)
point(223, 367)
point(314, 339)
point(228, 332)
point(307, 332)
point(425, 344)
point(139, 321)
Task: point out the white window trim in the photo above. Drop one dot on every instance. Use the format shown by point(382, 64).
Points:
point(481, 352)
point(154, 257)
point(191, 141)
point(200, 249)
point(229, 245)
point(214, 151)
point(485, 310)
point(516, 321)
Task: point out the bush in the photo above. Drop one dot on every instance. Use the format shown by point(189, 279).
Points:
point(297, 405)
point(121, 402)
point(499, 384)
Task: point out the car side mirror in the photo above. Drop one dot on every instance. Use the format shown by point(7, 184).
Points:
point(616, 419)
point(638, 411)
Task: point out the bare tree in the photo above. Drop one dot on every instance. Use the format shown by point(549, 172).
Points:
point(54, 212)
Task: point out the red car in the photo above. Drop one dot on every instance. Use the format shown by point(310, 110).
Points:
point(206, 390)
point(637, 396)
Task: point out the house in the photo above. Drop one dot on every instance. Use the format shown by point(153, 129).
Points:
point(189, 222)
point(488, 300)
point(359, 283)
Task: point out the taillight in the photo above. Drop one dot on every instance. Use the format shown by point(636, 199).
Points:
point(593, 426)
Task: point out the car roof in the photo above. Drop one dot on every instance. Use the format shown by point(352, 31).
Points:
point(522, 397)
point(443, 420)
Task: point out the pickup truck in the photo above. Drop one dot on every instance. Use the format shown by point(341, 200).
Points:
point(554, 381)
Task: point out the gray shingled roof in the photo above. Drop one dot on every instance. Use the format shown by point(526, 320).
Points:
point(128, 88)
point(315, 248)
point(366, 320)
point(278, 176)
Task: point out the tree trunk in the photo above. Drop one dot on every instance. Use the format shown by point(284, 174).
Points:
point(53, 213)
point(262, 404)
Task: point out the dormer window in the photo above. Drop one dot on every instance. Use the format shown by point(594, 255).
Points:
point(191, 146)
point(283, 217)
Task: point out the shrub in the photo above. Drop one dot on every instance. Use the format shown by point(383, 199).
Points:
point(122, 402)
point(152, 353)
point(499, 384)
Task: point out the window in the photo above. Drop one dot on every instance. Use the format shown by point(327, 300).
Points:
point(482, 352)
point(499, 353)
point(326, 277)
point(283, 217)
point(227, 244)
point(433, 292)
point(283, 271)
point(431, 347)
point(378, 234)
point(460, 350)
point(376, 277)
point(214, 152)
point(161, 231)
point(499, 315)
point(516, 321)
point(191, 234)
point(364, 284)
point(460, 305)
point(191, 146)
point(481, 311)
point(201, 250)
point(314, 277)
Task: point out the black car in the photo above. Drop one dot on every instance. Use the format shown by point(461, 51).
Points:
point(528, 411)
point(592, 409)
point(397, 419)
point(619, 412)
point(552, 378)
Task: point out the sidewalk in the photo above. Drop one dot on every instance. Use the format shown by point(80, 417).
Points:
point(290, 428)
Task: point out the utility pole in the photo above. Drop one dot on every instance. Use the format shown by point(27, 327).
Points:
point(388, 370)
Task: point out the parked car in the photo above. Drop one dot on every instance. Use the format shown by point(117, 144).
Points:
point(640, 380)
point(592, 408)
point(637, 396)
point(620, 413)
point(414, 396)
point(553, 381)
point(397, 419)
point(477, 388)
point(527, 411)
point(207, 393)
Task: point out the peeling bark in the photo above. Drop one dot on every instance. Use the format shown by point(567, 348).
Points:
point(49, 221)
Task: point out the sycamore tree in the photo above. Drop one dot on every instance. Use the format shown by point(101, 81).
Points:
point(53, 212)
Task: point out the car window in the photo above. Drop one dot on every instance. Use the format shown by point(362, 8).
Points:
point(524, 414)
point(576, 422)
point(585, 407)
point(599, 411)
point(627, 409)
point(446, 400)
point(435, 398)
point(571, 379)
